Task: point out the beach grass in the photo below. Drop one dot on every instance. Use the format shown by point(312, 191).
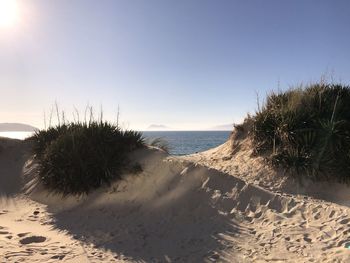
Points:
point(159, 143)
point(77, 157)
point(306, 130)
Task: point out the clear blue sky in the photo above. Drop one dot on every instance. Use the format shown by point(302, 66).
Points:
point(186, 64)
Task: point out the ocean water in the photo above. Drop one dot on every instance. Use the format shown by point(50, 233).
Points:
point(187, 142)
point(180, 142)
point(16, 135)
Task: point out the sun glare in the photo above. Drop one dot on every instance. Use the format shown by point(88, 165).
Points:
point(9, 13)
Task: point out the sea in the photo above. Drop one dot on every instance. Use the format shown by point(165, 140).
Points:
point(21, 135)
point(188, 142)
point(179, 142)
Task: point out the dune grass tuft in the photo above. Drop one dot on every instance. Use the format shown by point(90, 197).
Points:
point(160, 143)
point(76, 157)
point(306, 131)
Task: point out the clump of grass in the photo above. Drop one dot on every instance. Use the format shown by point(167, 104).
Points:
point(307, 131)
point(77, 157)
point(159, 143)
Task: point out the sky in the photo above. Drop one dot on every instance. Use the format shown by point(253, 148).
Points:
point(186, 64)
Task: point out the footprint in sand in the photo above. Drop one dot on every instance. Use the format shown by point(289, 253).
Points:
point(344, 221)
point(331, 214)
point(317, 215)
point(4, 232)
point(59, 257)
point(32, 239)
point(307, 239)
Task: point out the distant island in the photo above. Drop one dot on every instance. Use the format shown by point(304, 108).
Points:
point(15, 127)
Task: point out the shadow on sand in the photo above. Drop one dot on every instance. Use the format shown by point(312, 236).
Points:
point(182, 221)
point(13, 155)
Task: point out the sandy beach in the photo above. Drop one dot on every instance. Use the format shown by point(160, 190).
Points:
point(174, 131)
point(215, 206)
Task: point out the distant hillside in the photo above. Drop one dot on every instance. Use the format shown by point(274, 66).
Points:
point(9, 127)
point(158, 127)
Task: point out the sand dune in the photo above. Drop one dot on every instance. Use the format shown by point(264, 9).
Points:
point(209, 207)
point(13, 155)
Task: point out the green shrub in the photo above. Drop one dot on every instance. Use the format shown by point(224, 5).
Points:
point(43, 138)
point(75, 158)
point(307, 130)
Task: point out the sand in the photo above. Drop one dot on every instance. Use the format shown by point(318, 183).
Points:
point(215, 206)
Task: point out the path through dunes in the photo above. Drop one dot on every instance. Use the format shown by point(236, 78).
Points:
point(174, 211)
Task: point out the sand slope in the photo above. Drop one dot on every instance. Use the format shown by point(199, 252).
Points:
point(13, 155)
point(176, 210)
